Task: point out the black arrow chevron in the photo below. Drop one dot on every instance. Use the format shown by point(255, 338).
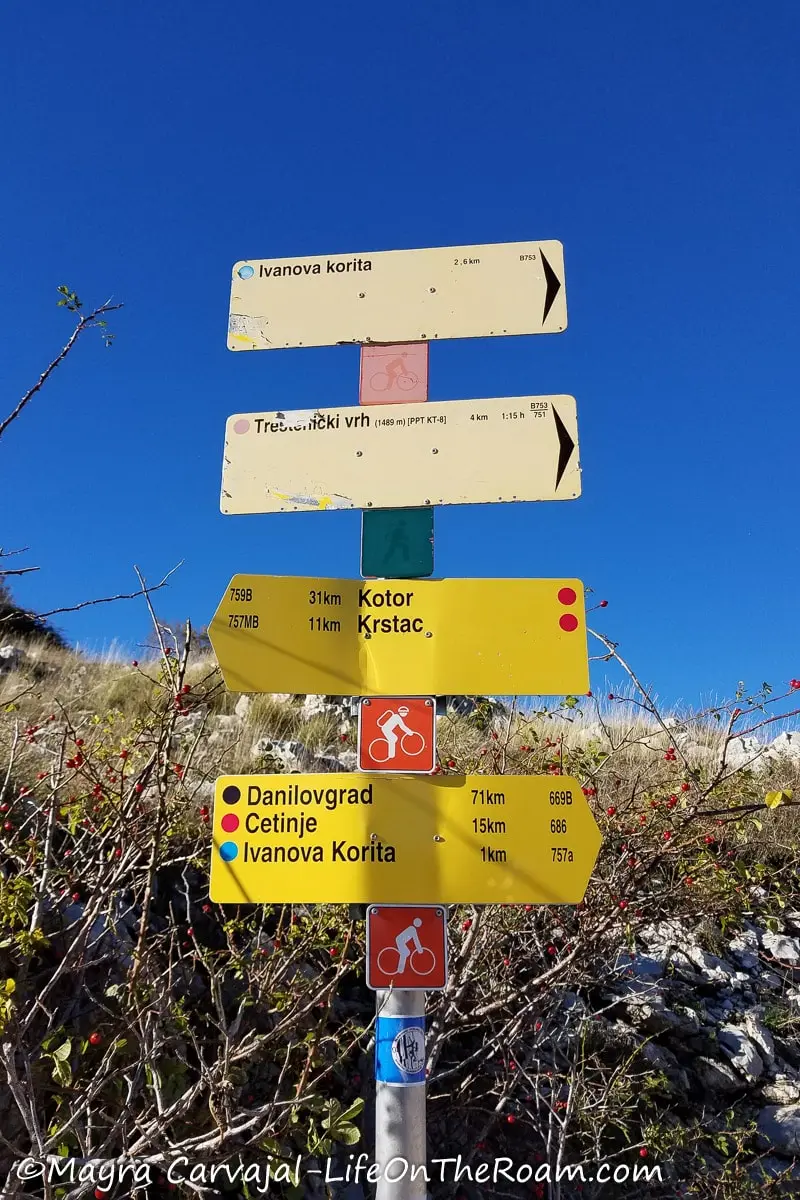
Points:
point(553, 286)
point(565, 447)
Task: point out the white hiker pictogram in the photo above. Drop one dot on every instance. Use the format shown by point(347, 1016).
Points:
point(409, 950)
point(383, 749)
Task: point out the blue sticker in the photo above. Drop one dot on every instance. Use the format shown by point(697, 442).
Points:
point(400, 1051)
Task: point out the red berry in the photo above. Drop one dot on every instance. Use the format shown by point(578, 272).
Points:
point(138, 788)
point(604, 604)
point(551, 950)
point(42, 775)
point(538, 1026)
point(168, 650)
point(76, 896)
point(342, 737)
point(623, 904)
point(206, 908)
point(186, 688)
point(135, 662)
point(117, 853)
point(506, 962)
point(4, 807)
point(611, 810)
point(466, 924)
point(667, 834)
point(99, 1193)
point(451, 762)
point(511, 1118)
point(95, 1038)
point(190, 932)
point(611, 695)
point(124, 753)
point(673, 800)
point(688, 881)
point(78, 741)
point(643, 1152)
point(589, 694)
point(204, 811)
point(528, 907)
point(7, 826)
point(333, 951)
point(685, 787)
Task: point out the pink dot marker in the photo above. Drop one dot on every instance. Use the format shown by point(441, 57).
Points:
point(230, 822)
point(241, 426)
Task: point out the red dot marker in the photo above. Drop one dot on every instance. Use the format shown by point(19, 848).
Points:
point(567, 596)
point(569, 622)
point(230, 822)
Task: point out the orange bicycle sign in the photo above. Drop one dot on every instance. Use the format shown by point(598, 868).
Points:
point(397, 734)
point(406, 947)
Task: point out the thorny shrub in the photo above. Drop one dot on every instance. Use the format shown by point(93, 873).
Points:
point(140, 1019)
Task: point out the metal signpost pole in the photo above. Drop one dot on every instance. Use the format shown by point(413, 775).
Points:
point(400, 1110)
point(400, 1092)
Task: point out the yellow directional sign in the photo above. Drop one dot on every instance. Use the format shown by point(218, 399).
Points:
point(412, 455)
point(398, 296)
point(347, 637)
point(400, 839)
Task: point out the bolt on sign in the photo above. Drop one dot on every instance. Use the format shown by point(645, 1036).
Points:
point(407, 947)
point(438, 637)
point(447, 452)
point(401, 839)
point(397, 734)
point(398, 296)
point(394, 374)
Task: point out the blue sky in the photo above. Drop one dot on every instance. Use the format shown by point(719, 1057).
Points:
point(148, 147)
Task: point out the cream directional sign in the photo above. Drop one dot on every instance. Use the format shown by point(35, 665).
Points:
point(347, 637)
point(398, 296)
point(413, 455)
point(399, 839)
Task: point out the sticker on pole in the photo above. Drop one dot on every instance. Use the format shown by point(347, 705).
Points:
point(394, 374)
point(397, 734)
point(400, 1051)
point(406, 947)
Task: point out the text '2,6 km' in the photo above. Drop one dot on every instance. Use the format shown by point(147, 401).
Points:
point(398, 296)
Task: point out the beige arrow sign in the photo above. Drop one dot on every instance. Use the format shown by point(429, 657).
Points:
point(449, 452)
point(398, 296)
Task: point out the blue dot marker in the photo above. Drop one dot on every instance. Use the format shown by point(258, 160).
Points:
point(228, 851)
point(245, 272)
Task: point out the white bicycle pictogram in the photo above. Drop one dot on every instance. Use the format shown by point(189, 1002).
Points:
point(396, 373)
point(383, 748)
point(408, 950)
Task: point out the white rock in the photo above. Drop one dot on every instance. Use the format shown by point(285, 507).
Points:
point(741, 1052)
point(779, 1126)
point(716, 1076)
point(787, 949)
point(243, 706)
point(748, 752)
point(315, 706)
point(761, 1036)
point(787, 743)
point(290, 755)
point(781, 1090)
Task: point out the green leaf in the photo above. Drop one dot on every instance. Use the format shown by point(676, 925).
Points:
point(10, 987)
point(348, 1134)
point(777, 798)
point(355, 1110)
point(62, 1052)
point(62, 1073)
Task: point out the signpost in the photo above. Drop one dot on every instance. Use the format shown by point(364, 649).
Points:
point(396, 834)
point(397, 735)
point(444, 452)
point(349, 637)
point(406, 947)
point(401, 839)
point(398, 296)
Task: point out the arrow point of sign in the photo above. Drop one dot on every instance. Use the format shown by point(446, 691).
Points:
point(565, 446)
point(553, 286)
